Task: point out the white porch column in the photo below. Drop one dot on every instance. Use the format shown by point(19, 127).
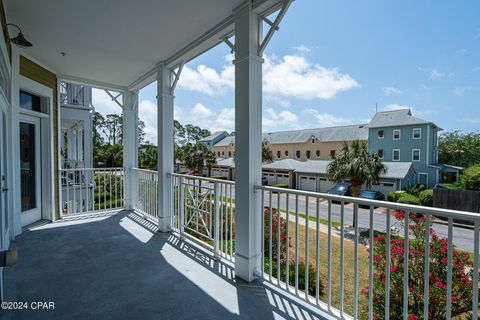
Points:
point(248, 141)
point(130, 141)
point(165, 146)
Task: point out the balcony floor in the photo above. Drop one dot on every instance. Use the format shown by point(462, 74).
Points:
point(115, 266)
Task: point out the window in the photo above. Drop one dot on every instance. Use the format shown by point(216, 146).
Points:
point(286, 153)
point(396, 155)
point(223, 153)
point(279, 154)
point(332, 153)
point(29, 101)
point(396, 134)
point(415, 154)
point(380, 153)
point(308, 154)
point(298, 154)
point(229, 153)
point(417, 133)
point(318, 153)
point(313, 140)
point(380, 134)
point(218, 153)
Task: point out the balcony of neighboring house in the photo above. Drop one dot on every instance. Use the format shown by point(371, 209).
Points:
point(134, 243)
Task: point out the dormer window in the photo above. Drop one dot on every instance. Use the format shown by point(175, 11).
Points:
point(313, 140)
point(381, 134)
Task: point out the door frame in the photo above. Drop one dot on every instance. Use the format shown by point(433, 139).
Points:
point(20, 82)
point(34, 214)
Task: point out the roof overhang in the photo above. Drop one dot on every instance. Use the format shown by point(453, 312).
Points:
point(118, 44)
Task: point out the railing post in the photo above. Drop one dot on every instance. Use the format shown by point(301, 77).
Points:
point(181, 205)
point(130, 119)
point(216, 221)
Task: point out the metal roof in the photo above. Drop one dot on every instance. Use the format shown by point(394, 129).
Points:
point(213, 136)
point(225, 142)
point(402, 117)
point(284, 164)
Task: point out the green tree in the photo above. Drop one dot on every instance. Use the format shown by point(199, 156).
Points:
point(196, 156)
point(147, 156)
point(357, 164)
point(98, 122)
point(459, 149)
point(267, 154)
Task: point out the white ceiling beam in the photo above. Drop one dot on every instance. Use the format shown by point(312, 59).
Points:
point(90, 83)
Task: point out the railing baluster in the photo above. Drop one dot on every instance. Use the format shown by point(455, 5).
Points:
point(307, 244)
point(355, 263)
point(263, 232)
point(329, 259)
point(287, 243)
point(370, 267)
point(387, 266)
point(296, 244)
point(270, 222)
point(476, 237)
point(426, 275)
point(405, 266)
point(317, 251)
point(342, 259)
point(279, 231)
point(449, 268)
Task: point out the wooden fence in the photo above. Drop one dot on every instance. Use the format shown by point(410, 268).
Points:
point(464, 200)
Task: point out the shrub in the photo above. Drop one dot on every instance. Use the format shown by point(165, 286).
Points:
point(462, 274)
point(393, 196)
point(409, 199)
point(291, 275)
point(280, 185)
point(415, 189)
point(277, 225)
point(470, 179)
point(426, 197)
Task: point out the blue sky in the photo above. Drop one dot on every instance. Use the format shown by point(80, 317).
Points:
point(332, 61)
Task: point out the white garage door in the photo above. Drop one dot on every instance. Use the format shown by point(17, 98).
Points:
point(384, 187)
point(325, 185)
point(220, 172)
point(308, 183)
point(283, 178)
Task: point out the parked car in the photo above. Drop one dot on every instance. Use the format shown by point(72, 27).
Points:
point(341, 189)
point(264, 181)
point(371, 195)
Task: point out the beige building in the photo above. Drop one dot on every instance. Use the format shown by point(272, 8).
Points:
point(315, 144)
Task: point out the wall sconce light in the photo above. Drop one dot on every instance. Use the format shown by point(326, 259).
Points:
point(19, 40)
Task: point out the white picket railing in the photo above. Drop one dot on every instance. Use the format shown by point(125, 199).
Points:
point(91, 190)
point(203, 210)
point(145, 195)
point(301, 240)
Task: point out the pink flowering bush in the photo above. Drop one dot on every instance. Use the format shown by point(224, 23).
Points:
point(462, 274)
point(278, 224)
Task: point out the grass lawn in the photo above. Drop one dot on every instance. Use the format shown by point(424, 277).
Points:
point(335, 268)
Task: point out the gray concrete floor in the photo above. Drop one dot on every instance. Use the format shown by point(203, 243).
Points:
point(115, 266)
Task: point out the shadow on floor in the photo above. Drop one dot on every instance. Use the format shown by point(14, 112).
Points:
point(116, 266)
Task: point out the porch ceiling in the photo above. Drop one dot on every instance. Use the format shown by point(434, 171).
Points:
point(115, 42)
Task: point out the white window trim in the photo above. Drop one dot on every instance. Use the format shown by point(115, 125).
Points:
point(425, 174)
point(383, 156)
point(382, 137)
point(393, 154)
point(419, 157)
point(413, 133)
point(399, 134)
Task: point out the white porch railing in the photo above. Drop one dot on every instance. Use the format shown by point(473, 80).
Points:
point(203, 210)
point(91, 190)
point(311, 250)
point(368, 273)
point(145, 194)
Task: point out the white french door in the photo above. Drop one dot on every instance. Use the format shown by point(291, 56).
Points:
point(30, 169)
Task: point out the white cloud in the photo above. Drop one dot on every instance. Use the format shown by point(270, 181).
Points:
point(226, 118)
point(206, 118)
point(327, 119)
point(147, 112)
point(207, 80)
point(459, 91)
point(200, 111)
point(273, 119)
point(293, 76)
point(302, 49)
point(435, 74)
point(391, 90)
point(103, 103)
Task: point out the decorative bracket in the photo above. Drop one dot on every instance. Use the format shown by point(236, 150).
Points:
point(175, 73)
point(274, 25)
point(115, 97)
point(229, 44)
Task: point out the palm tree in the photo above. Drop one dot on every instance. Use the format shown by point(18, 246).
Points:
point(357, 164)
point(354, 162)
